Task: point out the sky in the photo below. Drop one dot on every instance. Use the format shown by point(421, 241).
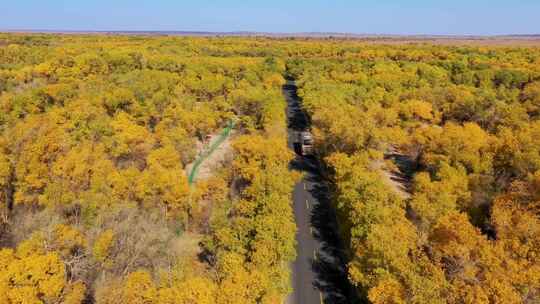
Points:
point(430, 17)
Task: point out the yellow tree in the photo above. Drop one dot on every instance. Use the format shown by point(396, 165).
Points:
point(164, 182)
point(129, 138)
point(192, 290)
point(83, 169)
point(102, 246)
point(31, 277)
point(478, 271)
point(38, 141)
point(139, 289)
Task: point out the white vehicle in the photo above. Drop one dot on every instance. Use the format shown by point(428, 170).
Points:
point(305, 140)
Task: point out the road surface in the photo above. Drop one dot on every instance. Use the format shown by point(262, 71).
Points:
point(319, 274)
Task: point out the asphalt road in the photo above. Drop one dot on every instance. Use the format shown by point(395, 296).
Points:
point(319, 273)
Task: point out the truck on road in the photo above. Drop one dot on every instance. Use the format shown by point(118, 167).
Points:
point(305, 140)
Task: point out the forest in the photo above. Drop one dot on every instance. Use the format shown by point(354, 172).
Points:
point(461, 127)
point(96, 132)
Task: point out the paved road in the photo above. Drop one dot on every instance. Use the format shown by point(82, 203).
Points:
point(319, 275)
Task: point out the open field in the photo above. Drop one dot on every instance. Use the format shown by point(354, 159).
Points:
point(501, 40)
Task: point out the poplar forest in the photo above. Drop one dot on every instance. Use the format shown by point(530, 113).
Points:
point(431, 153)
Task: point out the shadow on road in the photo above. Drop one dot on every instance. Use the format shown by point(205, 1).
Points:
point(329, 264)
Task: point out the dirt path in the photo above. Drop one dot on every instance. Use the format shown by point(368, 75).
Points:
point(221, 154)
point(394, 180)
point(398, 178)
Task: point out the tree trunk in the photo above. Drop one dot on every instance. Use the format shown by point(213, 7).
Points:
point(8, 193)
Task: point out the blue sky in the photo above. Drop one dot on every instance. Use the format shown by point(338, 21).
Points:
point(481, 17)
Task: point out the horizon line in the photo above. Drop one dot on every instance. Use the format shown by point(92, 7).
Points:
point(264, 33)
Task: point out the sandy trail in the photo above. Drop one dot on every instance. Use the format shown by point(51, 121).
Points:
point(395, 178)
